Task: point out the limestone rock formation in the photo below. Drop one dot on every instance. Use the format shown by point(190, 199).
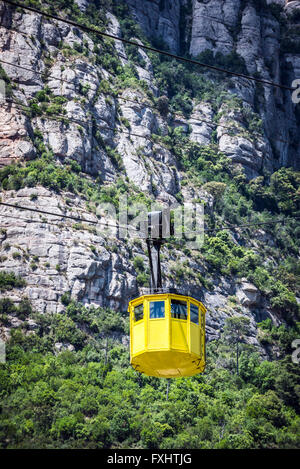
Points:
point(97, 127)
point(159, 19)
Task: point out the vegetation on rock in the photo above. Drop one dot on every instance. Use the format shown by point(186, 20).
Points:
point(67, 382)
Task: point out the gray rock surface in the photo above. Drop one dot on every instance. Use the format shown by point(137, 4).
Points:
point(56, 258)
point(158, 19)
point(226, 26)
point(248, 294)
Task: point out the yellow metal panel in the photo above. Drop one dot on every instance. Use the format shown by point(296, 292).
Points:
point(168, 364)
point(195, 339)
point(138, 337)
point(146, 319)
point(203, 354)
point(130, 325)
point(168, 317)
point(168, 347)
point(188, 337)
point(157, 334)
point(179, 334)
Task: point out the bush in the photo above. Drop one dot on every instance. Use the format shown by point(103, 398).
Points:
point(216, 189)
point(142, 279)
point(66, 298)
point(9, 280)
point(138, 263)
point(45, 101)
point(16, 255)
point(162, 105)
point(23, 310)
point(283, 300)
point(6, 79)
point(65, 330)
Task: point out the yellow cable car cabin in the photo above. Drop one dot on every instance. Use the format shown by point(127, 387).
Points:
point(167, 335)
point(167, 330)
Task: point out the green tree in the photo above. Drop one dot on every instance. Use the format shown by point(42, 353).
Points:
point(235, 330)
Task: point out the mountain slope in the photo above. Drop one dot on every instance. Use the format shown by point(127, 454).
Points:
point(88, 120)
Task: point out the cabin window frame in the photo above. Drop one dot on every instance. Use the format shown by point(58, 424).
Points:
point(143, 313)
point(157, 301)
point(181, 301)
point(198, 323)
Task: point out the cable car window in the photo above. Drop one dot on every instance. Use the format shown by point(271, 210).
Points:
point(157, 309)
point(179, 309)
point(138, 312)
point(194, 310)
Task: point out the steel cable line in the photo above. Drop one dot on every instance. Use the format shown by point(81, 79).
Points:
point(82, 220)
point(247, 225)
point(72, 217)
point(38, 72)
point(63, 79)
point(77, 121)
point(152, 49)
point(57, 224)
point(122, 98)
point(72, 83)
point(205, 230)
point(64, 117)
point(130, 227)
point(30, 220)
point(128, 132)
point(231, 227)
point(67, 81)
point(216, 20)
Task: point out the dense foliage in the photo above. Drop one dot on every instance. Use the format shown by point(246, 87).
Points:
point(8, 281)
point(67, 382)
point(91, 398)
point(46, 171)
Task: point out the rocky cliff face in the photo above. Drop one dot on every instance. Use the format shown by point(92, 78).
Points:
point(99, 126)
point(253, 30)
point(159, 19)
